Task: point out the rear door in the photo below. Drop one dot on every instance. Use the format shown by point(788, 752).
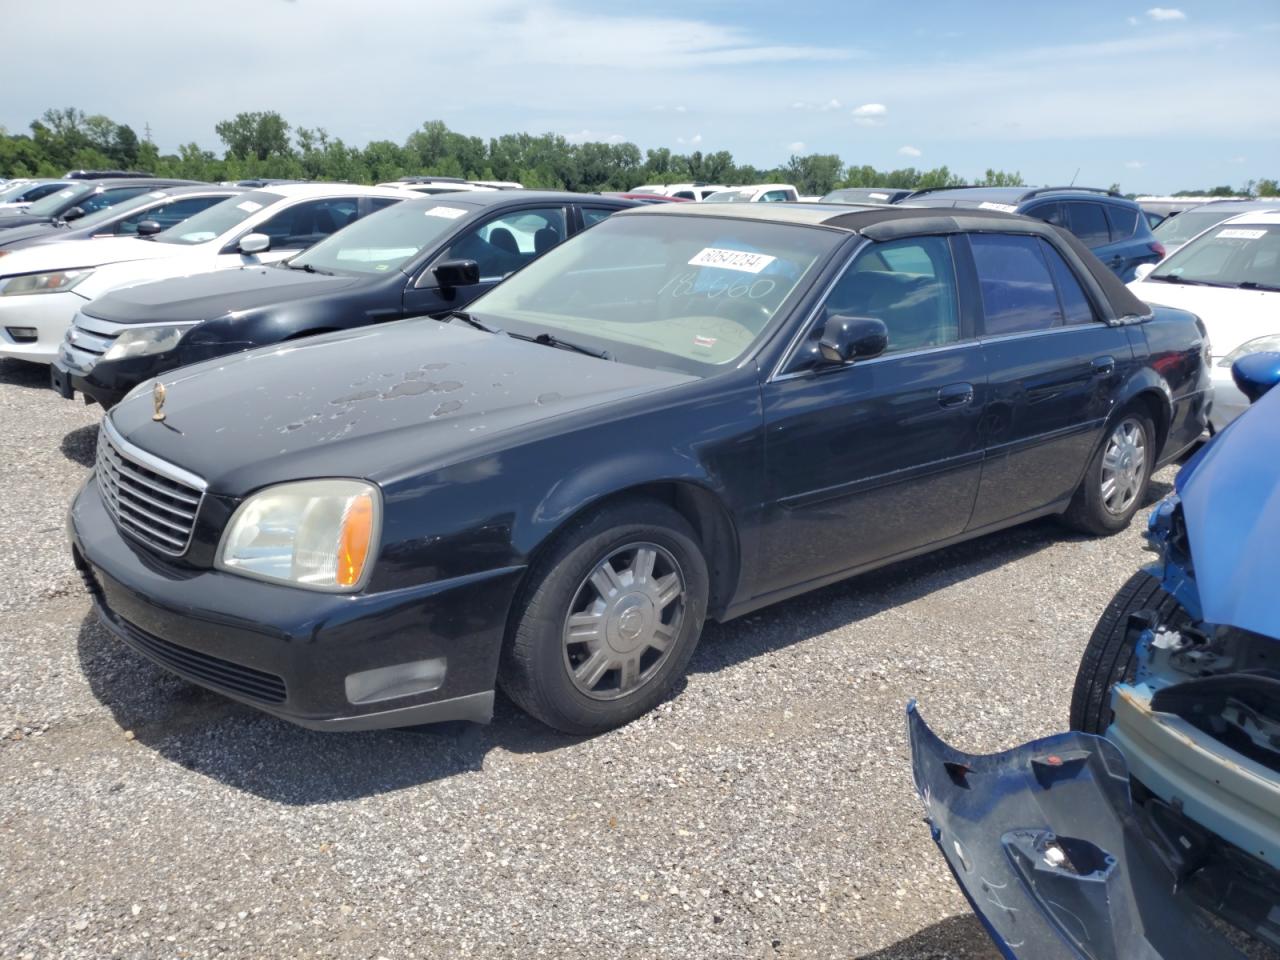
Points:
point(1131, 241)
point(876, 458)
point(1053, 370)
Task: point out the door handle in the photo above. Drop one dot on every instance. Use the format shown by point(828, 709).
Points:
point(955, 395)
point(1103, 366)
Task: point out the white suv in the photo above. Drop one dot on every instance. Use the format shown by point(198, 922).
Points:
point(681, 191)
point(760, 193)
point(42, 287)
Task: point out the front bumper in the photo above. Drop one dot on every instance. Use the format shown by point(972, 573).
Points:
point(1228, 401)
point(47, 314)
point(289, 651)
point(1054, 857)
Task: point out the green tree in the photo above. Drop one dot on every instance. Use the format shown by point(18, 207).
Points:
point(259, 135)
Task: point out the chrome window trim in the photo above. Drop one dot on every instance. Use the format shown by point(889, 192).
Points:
point(152, 462)
point(859, 364)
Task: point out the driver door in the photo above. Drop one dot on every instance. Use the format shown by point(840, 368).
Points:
point(879, 457)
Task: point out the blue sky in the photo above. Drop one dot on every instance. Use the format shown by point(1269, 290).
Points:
point(1155, 98)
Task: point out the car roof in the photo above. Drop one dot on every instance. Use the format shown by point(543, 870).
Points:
point(493, 198)
point(1260, 217)
point(1013, 195)
point(1241, 205)
point(294, 191)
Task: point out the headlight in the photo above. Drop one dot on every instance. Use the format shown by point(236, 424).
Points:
point(319, 534)
point(55, 282)
point(144, 340)
point(1269, 342)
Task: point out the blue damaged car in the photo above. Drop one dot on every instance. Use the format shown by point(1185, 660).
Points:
point(1161, 810)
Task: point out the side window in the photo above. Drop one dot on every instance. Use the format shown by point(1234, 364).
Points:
point(1123, 220)
point(1088, 222)
point(684, 195)
point(1049, 213)
point(108, 198)
point(505, 244)
point(41, 191)
point(303, 224)
point(1018, 294)
point(167, 214)
point(909, 284)
point(593, 215)
point(775, 196)
point(1076, 307)
point(381, 203)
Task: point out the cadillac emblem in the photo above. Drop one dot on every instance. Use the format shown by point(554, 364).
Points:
point(157, 397)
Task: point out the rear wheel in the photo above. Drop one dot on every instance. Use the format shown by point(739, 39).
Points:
point(1116, 480)
point(608, 618)
point(1109, 657)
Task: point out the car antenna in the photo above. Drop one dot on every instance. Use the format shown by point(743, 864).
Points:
point(1073, 177)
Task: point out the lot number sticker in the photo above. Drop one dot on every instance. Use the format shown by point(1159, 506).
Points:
point(739, 260)
point(248, 206)
point(449, 213)
point(1237, 234)
point(1003, 207)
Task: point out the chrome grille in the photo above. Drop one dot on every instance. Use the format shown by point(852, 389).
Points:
point(150, 500)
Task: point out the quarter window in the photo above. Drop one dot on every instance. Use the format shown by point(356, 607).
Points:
point(1076, 307)
point(1088, 222)
point(1018, 294)
point(1123, 220)
point(910, 285)
point(593, 215)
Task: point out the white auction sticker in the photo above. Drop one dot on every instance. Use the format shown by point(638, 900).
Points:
point(878, 196)
point(157, 194)
point(248, 206)
point(449, 213)
point(1235, 233)
point(739, 260)
point(1002, 207)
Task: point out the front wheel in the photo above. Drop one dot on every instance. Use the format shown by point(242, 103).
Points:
point(1117, 477)
point(1110, 656)
point(608, 618)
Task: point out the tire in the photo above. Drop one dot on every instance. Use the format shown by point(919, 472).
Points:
point(545, 651)
point(1109, 657)
point(1092, 511)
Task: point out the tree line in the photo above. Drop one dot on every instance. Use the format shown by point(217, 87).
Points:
point(264, 144)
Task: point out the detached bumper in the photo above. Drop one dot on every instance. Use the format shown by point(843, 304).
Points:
point(32, 327)
point(293, 652)
point(1045, 843)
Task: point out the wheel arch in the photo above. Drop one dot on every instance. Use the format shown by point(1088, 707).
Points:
point(1149, 390)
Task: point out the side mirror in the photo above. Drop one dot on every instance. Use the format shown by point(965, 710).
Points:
point(1143, 271)
point(75, 213)
point(1256, 373)
point(846, 339)
point(252, 243)
point(456, 273)
point(148, 228)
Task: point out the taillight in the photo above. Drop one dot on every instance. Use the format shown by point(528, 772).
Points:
point(1157, 248)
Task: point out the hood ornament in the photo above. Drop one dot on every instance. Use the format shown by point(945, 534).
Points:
point(157, 397)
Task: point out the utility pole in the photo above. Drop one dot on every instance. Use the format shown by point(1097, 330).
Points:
point(146, 127)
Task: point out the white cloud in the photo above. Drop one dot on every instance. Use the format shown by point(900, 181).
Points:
point(797, 147)
point(909, 151)
point(1238, 160)
point(590, 136)
point(1133, 21)
point(870, 114)
point(1135, 164)
point(1166, 13)
point(827, 107)
point(692, 141)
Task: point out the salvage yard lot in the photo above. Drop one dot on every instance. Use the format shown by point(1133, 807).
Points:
point(765, 811)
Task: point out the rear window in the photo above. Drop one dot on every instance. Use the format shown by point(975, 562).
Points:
point(1123, 220)
point(1088, 222)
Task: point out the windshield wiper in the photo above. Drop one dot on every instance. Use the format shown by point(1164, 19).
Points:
point(1257, 285)
point(1174, 278)
point(469, 319)
point(549, 340)
point(308, 268)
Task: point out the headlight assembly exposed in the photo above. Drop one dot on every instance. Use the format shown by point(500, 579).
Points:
point(318, 534)
point(1269, 342)
point(54, 282)
point(144, 340)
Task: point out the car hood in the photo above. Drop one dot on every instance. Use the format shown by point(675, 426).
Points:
point(207, 295)
point(1232, 316)
point(17, 234)
point(13, 218)
point(84, 253)
point(1044, 843)
point(1230, 497)
point(369, 403)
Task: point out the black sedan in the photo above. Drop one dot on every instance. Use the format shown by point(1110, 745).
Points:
point(424, 256)
point(689, 411)
point(80, 198)
point(141, 215)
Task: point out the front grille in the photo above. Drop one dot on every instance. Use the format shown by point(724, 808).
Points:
point(145, 496)
point(91, 335)
point(204, 668)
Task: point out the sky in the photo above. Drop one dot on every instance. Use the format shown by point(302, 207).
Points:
point(1155, 98)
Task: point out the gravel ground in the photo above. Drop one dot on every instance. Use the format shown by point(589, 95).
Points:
point(765, 811)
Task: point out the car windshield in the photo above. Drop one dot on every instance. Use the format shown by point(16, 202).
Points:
point(56, 202)
point(731, 196)
point(1232, 255)
point(384, 241)
point(216, 220)
point(858, 195)
point(121, 209)
point(1180, 229)
point(13, 191)
point(683, 293)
